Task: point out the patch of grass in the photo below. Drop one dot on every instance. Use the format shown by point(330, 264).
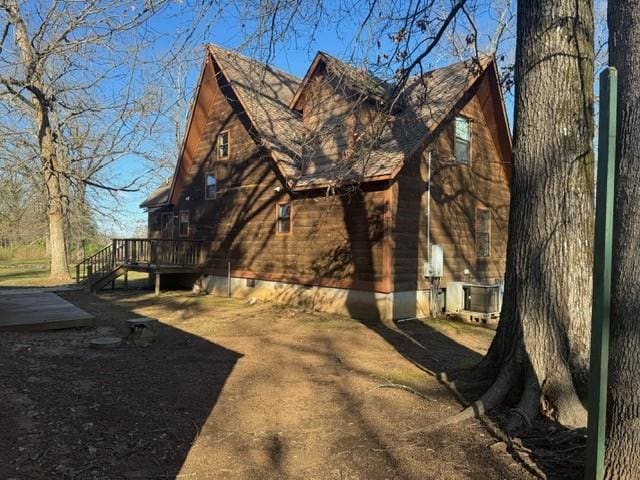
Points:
point(21, 277)
point(448, 326)
point(33, 274)
point(24, 254)
point(326, 320)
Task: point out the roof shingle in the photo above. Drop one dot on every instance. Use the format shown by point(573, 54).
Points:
point(266, 94)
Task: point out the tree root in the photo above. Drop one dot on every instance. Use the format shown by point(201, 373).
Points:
point(493, 397)
point(406, 388)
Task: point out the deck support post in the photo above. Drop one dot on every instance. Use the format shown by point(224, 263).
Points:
point(126, 280)
point(157, 283)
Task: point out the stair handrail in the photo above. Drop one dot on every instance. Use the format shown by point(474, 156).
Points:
point(102, 258)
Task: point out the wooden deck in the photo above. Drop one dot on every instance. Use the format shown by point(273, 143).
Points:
point(152, 255)
point(33, 311)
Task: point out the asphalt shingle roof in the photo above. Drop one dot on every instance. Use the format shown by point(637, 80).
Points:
point(266, 94)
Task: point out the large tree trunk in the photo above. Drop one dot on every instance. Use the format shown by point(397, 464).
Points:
point(541, 347)
point(52, 169)
point(57, 199)
point(622, 460)
point(58, 246)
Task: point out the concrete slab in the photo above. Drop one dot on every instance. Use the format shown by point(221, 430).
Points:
point(33, 311)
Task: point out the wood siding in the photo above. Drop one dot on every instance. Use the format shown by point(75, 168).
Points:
point(335, 240)
point(334, 119)
point(456, 191)
point(373, 238)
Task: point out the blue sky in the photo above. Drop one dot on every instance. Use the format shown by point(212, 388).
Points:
point(294, 53)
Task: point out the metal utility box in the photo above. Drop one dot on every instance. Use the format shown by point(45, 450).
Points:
point(434, 268)
point(482, 298)
point(454, 297)
point(467, 297)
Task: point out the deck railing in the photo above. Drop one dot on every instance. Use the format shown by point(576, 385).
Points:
point(158, 251)
point(141, 251)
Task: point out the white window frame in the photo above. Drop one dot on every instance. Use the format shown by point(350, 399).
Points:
point(219, 144)
point(279, 218)
point(467, 120)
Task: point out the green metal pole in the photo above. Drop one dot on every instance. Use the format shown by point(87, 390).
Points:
point(594, 462)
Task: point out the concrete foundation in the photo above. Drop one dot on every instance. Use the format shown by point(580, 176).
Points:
point(355, 303)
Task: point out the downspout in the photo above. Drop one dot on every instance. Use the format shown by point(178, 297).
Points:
point(429, 206)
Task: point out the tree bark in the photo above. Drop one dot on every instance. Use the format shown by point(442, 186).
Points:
point(51, 166)
point(541, 347)
point(622, 460)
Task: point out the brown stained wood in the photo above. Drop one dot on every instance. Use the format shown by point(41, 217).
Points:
point(456, 191)
point(364, 238)
point(40, 311)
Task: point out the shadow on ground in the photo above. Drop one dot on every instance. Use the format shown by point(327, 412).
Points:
point(547, 450)
point(130, 412)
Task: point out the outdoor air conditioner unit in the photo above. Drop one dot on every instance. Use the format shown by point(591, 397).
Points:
point(434, 268)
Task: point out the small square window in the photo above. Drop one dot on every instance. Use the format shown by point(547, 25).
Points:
point(183, 223)
point(284, 218)
point(462, 140)
point(483, 232)
point(211, 186)
point(223, 145)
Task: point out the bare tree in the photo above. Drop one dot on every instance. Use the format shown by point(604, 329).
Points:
point(542, 342)
point(75, 96)
point(623, 434)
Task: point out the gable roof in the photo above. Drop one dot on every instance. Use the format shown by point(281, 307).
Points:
point(159, 197)
point(269, 96)
point(265, 93)
point(427, 100)
point(358, 79)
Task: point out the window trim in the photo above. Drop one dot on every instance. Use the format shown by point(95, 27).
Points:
point(487, 233)
point(180, 234)
point(469, 141)
point(278, 204)
point(218, 145)
point(206, 185)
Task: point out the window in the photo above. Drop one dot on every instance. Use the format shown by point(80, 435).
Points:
point(483, 231)
point(167, 225)
point(183, 223)
point(223, 145)
point(462, 140)
point(284, 218)
point(210, 186)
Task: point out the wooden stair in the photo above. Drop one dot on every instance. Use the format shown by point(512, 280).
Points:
point(98, 282)
point(139, 254)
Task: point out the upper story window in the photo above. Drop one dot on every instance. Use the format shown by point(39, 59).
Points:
point(183, 223)
point(223, 145)
point(210, 186)
point(283, 218)
point(483, 232)
point(462, 147)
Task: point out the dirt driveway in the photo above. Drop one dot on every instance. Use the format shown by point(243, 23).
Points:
point(236, 391)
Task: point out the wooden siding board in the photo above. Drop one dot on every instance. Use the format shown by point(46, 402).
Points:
point(455, 191)
point(336, 240)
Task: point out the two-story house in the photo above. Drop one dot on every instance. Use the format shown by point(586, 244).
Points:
point(340, 191)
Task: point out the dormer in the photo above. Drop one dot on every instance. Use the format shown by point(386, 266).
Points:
point(339, 105)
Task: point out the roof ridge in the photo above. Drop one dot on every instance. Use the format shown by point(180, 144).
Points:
point(482, 57)
point(269, 66)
